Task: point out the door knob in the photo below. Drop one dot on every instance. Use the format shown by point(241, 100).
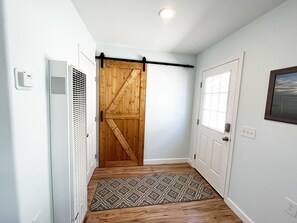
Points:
point(225, 139)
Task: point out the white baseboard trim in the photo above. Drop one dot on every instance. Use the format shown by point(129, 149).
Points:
point(166, 161)
point(191, 162)
point(240, 213)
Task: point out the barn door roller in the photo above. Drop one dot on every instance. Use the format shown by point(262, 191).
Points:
point(143, 61)
point(102, 59)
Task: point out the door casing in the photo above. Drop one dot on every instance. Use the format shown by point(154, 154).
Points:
point(240, 58)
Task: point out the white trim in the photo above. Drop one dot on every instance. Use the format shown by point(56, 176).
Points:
point(237, 56)
point(240, 213)
point(190, 161)
point(240, 59)
point(166, 161)
point(84, 51)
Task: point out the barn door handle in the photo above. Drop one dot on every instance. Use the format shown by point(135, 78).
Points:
point(101, 116)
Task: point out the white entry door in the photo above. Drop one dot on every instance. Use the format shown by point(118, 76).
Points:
point(216, 108)
point(89, 68)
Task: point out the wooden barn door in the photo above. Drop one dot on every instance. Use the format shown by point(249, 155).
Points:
point(122, 113)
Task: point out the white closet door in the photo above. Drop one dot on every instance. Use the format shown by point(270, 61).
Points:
point(89, 68)
point(79, 145)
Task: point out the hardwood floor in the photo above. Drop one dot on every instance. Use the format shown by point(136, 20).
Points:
point(205, 211)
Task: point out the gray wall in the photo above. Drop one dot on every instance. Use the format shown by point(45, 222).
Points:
point(263, 170)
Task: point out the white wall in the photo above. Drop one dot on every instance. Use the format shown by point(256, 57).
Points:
point(36, 32)
point(168, 101)
point(263, 170)
point(7, 168)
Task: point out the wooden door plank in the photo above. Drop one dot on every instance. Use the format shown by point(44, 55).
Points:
point(108, 143)
point(124, 132)
point(136, 136)
point(121, 163)
point(118, 149)
point(121, 138)
point(129, 135)
point(121, 116)
point(122, 64)
point(114, 103)
point(111, 88)
point(131, 108)
point(137, 95)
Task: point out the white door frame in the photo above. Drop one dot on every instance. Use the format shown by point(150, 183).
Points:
point(240, 58)
point(88, 54)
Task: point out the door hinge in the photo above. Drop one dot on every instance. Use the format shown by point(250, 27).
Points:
point(197, 121)
point(95, 156)
point(76, 216)
point(201, 84)
point(95, 79)
point(95, 118)
point(194, 156)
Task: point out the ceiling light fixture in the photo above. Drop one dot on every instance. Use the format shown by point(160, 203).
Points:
point(167, 13)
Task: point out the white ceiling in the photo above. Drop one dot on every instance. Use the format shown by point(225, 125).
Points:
point(197, 25)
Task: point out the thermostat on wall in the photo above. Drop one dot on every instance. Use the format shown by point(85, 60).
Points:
point(23, 80)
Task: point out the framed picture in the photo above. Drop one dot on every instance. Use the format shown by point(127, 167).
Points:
point(281, 102)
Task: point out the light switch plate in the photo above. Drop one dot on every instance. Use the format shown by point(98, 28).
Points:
point(23, 80)
point(248, 132)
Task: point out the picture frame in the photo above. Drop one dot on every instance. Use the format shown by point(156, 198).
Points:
point(281, 104)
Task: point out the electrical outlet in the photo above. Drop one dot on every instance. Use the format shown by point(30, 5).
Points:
point(37, 218)
point(291, 207)
point(248, 132)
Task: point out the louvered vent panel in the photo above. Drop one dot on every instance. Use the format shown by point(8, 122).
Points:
point(79, 137)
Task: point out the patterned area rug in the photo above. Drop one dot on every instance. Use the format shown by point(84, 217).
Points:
point(148, 190)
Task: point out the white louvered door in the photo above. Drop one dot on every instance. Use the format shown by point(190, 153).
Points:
point(89, 68)
point(79, 145)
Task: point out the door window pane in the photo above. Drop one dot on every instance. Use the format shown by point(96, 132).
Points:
point(225, 79)
point(223, 99)
point(215, 101)
point(207, 101)
point(216, 84)
point(208, 85)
